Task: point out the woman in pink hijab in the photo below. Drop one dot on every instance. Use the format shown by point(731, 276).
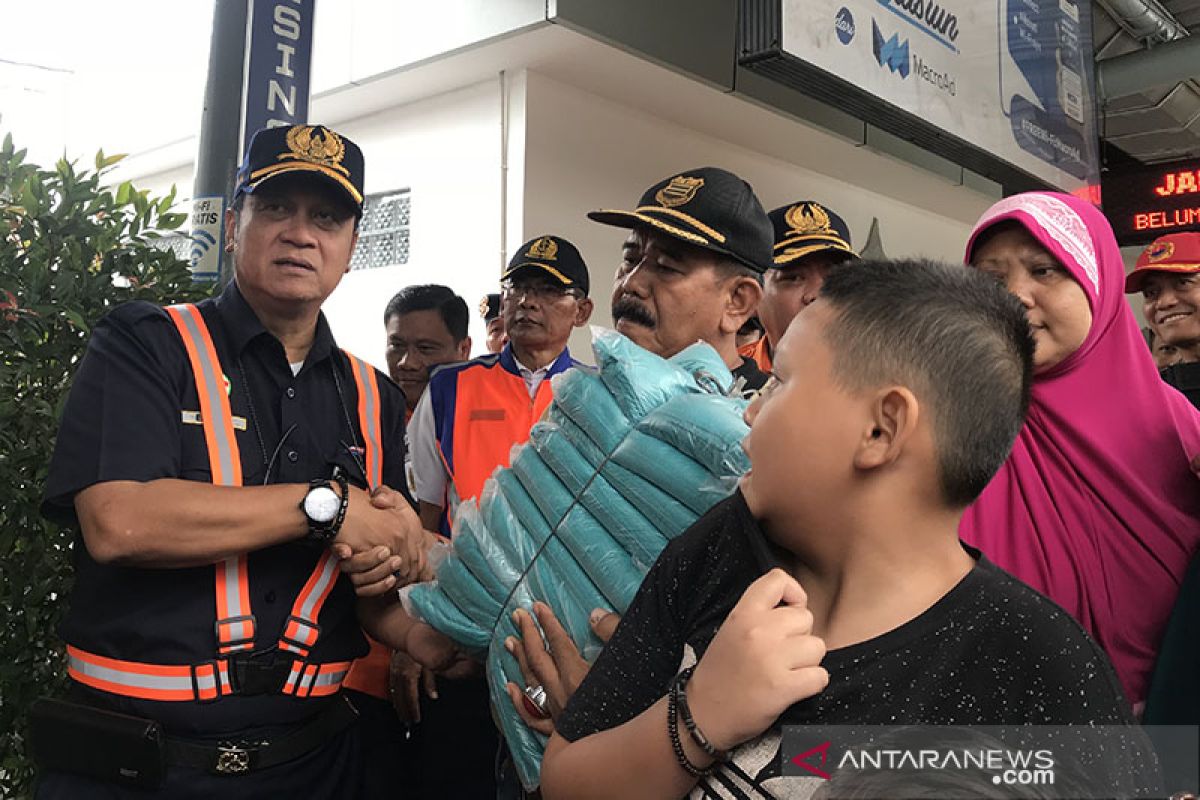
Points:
point(1097, 507)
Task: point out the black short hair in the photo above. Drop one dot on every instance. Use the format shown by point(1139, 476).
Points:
point(728, 268)
point(956, 338)
point(431, 296)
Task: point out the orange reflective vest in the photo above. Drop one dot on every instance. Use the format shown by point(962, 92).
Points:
point(235, 621)
point(760, 351)
point(481, 409)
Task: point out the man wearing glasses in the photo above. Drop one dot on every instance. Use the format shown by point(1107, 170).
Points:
point(473, 413)
point(464, 426)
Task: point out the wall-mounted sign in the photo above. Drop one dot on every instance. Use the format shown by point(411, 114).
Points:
point(280, 57)
point(1004, 80)
point(1144, 203)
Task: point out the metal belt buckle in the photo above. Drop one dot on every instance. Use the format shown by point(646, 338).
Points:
point(233, 758)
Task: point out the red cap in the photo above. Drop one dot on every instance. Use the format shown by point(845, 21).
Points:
point(1175, 252)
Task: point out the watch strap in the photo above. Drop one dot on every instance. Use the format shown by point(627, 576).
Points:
point(325, 532)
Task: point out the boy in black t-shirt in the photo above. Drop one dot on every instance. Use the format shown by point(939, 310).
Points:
point(832, 587)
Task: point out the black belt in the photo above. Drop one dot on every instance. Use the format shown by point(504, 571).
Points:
point(237, 757)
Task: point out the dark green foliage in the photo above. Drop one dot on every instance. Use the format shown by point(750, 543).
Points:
point(71, 249)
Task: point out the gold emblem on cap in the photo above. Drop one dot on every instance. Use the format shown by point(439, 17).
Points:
point(316, 144)
point(483, 307)
point(1161, 251)
point(679, 190)
point(545, 248)
point(807, 219)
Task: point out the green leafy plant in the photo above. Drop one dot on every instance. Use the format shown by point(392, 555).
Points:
point(71, 249)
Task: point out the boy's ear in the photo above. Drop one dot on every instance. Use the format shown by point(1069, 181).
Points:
point(893, 420)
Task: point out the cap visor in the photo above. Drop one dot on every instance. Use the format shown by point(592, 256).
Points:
point(563, 279)
point(635, 219)
point(265, 174)
point(1136, 279)
point(795, 253)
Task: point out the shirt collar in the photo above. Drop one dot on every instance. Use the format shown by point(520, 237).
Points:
point(242, 324)
point(508, 360)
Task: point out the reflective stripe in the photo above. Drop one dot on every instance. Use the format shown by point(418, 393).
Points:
point(289, 686)
point(301, 631)
point(306, 682)
point(329, 679)
point(235, 623)
point(223, 456)
point(316, 680)
point(175, 682)
point(368, 417)
point(147, 681)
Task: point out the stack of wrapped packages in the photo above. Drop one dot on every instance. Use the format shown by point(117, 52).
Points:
point(625, 459)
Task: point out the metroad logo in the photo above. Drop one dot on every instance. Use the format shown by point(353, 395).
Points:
point(890, 52)
point(929, 17)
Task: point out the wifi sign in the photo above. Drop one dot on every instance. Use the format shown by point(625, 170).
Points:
point(205, 255)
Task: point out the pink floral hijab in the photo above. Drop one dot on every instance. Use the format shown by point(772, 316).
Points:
point(1097, 507)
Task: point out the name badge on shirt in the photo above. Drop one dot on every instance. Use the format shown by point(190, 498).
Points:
point(495, 414)
point(193, 418)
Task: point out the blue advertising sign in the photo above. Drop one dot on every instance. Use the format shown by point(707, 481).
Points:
point(1011, 78)
point(280, 59)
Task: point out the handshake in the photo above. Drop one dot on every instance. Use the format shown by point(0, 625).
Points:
point(381, 545)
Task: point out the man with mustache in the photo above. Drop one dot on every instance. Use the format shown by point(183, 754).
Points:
point(691, 270)
point(692, 265)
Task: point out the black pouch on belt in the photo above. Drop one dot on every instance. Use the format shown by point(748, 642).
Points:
point(93, 742)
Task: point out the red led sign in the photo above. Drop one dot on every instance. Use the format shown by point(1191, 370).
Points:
point(1179, 183)
point(1147, 202)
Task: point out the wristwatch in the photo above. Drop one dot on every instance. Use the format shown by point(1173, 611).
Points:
point(324, 509)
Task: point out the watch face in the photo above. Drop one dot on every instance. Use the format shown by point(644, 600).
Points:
point(321, 504)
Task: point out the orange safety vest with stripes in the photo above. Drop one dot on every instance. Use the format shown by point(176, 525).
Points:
point(235, 621)
point(481, 409)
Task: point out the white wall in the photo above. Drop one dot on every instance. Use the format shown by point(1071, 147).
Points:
point(571, 151)
point(586, 152)
point(446, 150)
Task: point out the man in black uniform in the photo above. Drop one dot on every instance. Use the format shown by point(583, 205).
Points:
point(217, 459)
point(692, 266)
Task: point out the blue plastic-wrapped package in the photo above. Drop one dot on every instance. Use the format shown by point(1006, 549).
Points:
point(624, 460)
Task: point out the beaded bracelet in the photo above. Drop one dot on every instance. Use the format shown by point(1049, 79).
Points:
point(673, 727)
point(686, 713)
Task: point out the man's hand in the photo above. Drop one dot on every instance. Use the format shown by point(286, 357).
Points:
point(406, 680)
point(763, 659)
point(381, 544)
point(438, 653)
point(555, 664)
